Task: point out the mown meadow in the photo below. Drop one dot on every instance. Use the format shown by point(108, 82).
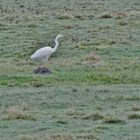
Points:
point(93, 91)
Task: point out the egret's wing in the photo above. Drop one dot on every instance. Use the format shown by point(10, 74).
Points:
point(42, 53)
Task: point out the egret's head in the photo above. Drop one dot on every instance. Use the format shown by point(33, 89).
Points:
point(59, 36)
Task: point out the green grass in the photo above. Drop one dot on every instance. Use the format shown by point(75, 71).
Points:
point(94, 85)
point(101, 111)
point(87, 29)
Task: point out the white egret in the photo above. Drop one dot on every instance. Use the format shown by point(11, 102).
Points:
point(44, 53)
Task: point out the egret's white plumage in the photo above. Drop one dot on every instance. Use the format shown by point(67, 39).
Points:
point(45, 52)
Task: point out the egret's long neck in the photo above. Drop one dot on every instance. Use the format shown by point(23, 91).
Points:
point(56, 45)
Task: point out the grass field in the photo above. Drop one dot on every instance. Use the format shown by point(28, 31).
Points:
point(93, 91)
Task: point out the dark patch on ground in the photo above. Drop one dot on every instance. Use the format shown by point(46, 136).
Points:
point(42, 70)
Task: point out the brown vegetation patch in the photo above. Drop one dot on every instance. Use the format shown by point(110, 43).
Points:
point(74, 113)
point(18, 112)
point(51, 137)
point(91, 59)
point(135, 108)
point(111, 42)
point(113, 120)
point(134, 116)
point(123, 14)
point(83, 136)
point(64, 15)
point(106, 15)
point(94, 116)
point(87, 137)
point(80, 17)
point(123, 23)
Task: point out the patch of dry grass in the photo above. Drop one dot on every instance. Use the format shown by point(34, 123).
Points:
point(61, 137)
point(123, 14)
point(27, 137)
point(94, 116)
point(134, 116)
point(87, 136)
point(18, 112)
point(135, 108)
point(51, 137)
point(111, 42)
point(91, 59)
point(113, 120)
point(62, 121)
point(74, 113)
point(84, 136)
point(65, 15)
point(106, 15)
point(65, 62)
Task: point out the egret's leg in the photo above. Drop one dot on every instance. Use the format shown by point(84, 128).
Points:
point(41, 65)
point(44, 64)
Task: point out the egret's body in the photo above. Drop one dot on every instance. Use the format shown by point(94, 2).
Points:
point(42, 53)
point(45, 52)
